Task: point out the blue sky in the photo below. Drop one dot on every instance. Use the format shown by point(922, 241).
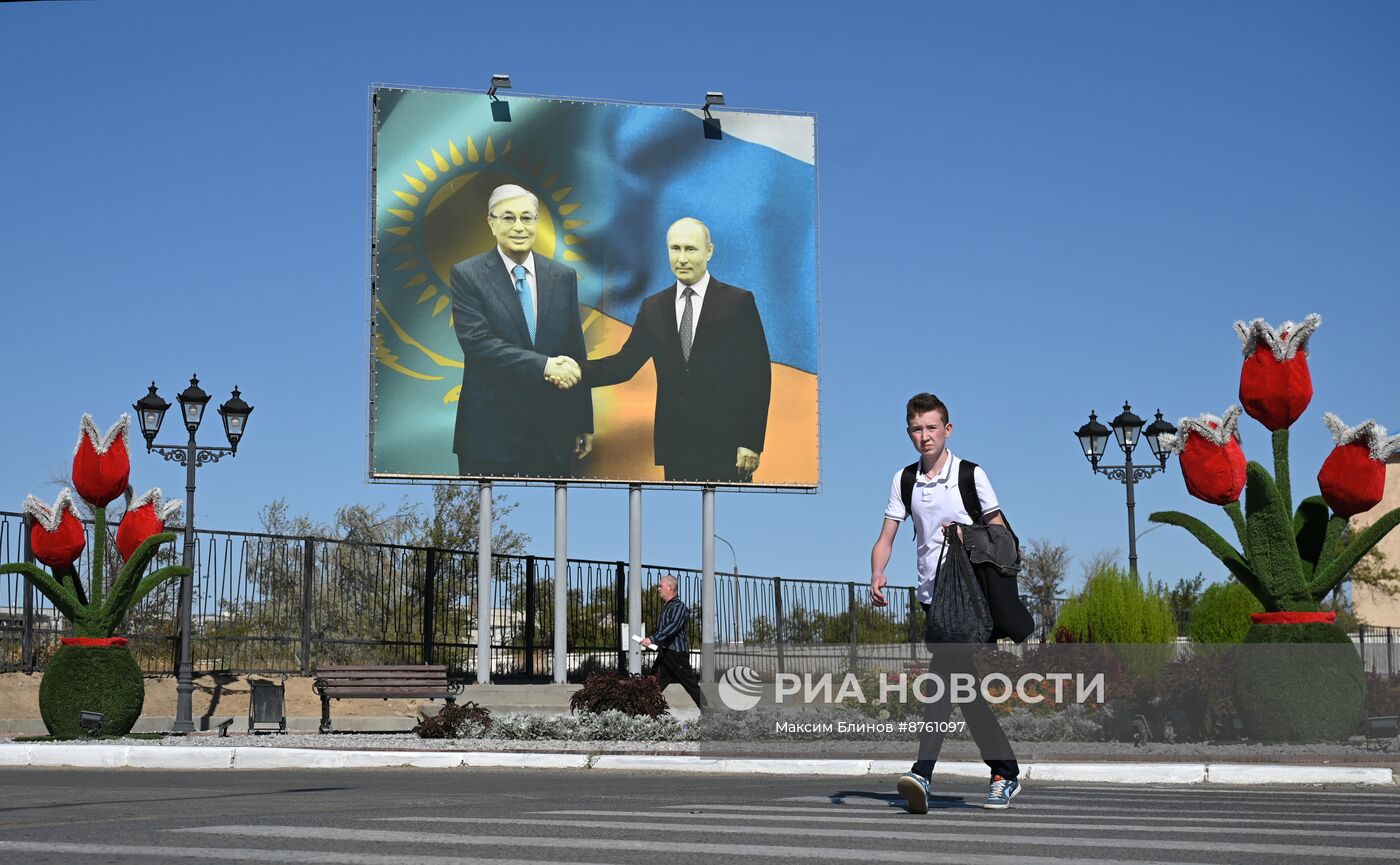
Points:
point(1030, 209)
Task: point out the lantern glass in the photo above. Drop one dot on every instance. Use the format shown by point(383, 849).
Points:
point(1126, 428)
point(1154, 433)
point(150, 413)
point(235, 414)
point(1093, 438)
point(193, 399)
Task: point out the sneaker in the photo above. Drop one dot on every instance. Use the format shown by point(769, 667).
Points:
point(914, 789)
point(1002, 791)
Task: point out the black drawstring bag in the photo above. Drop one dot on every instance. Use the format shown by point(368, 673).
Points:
point(958, 612)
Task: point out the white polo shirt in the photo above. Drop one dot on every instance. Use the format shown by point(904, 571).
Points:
point(937, 502)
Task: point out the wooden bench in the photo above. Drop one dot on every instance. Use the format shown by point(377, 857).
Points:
point(409, 681)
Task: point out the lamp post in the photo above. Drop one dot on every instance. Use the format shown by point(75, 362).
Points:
point(150, 409)
point(1127, 429)
point(735, 559)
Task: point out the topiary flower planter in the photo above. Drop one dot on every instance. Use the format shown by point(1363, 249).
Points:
point(91, 674)
point(1299, 678)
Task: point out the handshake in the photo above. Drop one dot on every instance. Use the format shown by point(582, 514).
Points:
point(563, 372)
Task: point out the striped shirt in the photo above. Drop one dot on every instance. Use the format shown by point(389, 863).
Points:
point(670, 628)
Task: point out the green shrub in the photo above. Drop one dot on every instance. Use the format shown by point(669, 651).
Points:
point(1115, 607)
point(630, 695)
point(1222, 614)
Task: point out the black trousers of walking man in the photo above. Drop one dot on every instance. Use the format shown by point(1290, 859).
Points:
point(675, 667)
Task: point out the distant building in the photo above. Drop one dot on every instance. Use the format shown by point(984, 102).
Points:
point(1373, 607)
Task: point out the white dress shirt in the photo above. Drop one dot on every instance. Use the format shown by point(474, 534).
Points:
point(695, 302)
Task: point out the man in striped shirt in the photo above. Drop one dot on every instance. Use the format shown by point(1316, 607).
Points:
point(673, 650)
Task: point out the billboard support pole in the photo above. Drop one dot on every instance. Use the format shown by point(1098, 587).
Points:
point(634, 577)
point(483, 584)
point(561, 583)
point(707, 585)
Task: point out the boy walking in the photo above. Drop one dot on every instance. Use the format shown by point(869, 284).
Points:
point(935, 501)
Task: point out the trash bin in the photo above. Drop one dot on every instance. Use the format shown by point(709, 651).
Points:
point(267, 707)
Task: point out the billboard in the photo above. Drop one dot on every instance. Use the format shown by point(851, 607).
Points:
point(593, 292)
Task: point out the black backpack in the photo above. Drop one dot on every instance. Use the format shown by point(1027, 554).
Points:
point(993, 551)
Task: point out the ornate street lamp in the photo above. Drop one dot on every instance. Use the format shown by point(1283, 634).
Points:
point(1127, 429)
point(150, 410)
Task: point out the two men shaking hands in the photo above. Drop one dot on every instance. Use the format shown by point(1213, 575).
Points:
point(521, 410)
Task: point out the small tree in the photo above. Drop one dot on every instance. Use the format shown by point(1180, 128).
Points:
point(1046, 564)
point(1185, 596)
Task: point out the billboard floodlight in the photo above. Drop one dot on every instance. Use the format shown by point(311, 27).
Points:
point(713, 97)
point(498, 81)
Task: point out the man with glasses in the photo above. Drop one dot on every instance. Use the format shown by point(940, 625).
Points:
point(517, 319)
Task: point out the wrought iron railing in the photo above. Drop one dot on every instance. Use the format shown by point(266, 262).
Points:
point(277, 604)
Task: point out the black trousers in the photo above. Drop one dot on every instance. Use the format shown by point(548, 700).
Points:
point(711, 464)
point(992, 745)
point(539, 463)
point(675, 667)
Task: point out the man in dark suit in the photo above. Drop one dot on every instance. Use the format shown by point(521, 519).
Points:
point(713, 379)
point(517, 319)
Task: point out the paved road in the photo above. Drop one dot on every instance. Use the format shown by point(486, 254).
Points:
point(398, 816)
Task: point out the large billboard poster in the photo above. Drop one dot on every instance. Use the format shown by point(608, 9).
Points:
point(594, 292)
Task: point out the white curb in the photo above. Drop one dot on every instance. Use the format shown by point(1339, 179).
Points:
point(80, 756)
point(15, 755)
point(497, 759)
point(1254, 773)
point(795, 767)
point(175, 757)
point(288, 758)
point(410, 759)
point(1119, 773)
point(658, 763)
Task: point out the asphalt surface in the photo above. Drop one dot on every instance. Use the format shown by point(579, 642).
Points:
point(400, 816)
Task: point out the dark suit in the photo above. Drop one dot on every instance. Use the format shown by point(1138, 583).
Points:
point(510, 421)
point(708, 408)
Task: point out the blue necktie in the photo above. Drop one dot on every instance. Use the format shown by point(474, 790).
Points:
point(527, 304)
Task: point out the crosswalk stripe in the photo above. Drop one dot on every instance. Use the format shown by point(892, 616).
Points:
point(992, 819)
point(931, 830)
point(672, 846)
point(104, 852)
point(1252, 792)
point(895, 805)
point(1245, 808)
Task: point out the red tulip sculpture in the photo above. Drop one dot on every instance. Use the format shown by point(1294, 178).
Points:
point(1298, 678)
point(101, 470)
point(1290, 560)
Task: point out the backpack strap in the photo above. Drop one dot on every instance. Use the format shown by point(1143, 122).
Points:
point(967, 486)
point(906, 488)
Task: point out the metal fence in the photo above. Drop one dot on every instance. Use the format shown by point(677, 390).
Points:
point(276, 604)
